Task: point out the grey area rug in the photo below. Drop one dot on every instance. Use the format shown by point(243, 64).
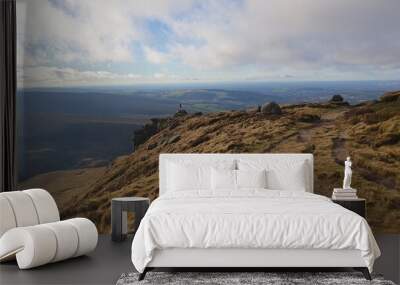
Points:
point(228, 278)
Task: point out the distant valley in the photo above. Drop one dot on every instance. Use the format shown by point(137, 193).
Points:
point(72, 128)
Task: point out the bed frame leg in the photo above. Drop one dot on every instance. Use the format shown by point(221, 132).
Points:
point(143, 274)
point(364, 271)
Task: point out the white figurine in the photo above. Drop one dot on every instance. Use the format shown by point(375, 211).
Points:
point(347, 174)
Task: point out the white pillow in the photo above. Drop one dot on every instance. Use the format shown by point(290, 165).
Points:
point(187, 177)
point(281, 174)
point(227, 179)
point(183, 175)
point(251, 178)
point(223, 179)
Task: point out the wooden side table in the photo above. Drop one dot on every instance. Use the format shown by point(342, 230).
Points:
point(355, 205)
point(119, 208)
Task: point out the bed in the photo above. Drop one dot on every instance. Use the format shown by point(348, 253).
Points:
point(247, 210)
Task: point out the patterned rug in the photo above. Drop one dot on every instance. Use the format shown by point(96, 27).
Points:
point(243, 278)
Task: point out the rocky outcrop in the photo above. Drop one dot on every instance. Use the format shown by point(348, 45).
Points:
point(180, 113)
point(336, 99)
point(271, 108)
point(390, 96)
point(140, 136)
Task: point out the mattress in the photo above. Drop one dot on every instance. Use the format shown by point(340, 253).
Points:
point(250, 219)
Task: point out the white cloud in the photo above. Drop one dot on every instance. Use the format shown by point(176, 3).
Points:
point(96, 33)
point(159, 75)
point(302, 34)
point(52, 76)
point(89, 31)
point(155, 56)
point(211, 40)
point(44, 76)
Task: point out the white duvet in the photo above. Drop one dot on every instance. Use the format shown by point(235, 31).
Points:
point(250, 219)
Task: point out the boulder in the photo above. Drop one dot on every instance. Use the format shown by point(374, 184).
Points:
point(336, 99)
point(271, 108)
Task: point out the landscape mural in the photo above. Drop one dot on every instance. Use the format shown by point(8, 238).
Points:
point(104, 87)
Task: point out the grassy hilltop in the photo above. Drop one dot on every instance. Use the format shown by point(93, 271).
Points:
point(368, 132)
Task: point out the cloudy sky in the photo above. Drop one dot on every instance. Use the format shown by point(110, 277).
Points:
point(103, 42)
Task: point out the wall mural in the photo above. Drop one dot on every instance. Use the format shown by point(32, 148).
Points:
point(105, 86)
